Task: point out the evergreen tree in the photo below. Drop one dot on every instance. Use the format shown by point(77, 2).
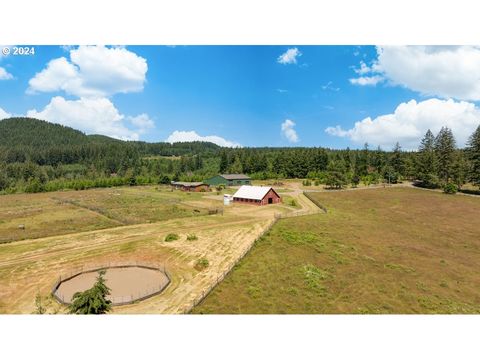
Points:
point(460, 169)
point(445, 152)
point(355, 180)
point(236, 167)
point(336, 174)
point(94, 300)
point(427, 161)
point(473, 151)
point(223, 162)
point(363, 163)
point(396, 160)
point(390, 175)
point(3, 180)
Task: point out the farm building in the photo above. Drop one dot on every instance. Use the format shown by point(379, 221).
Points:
point(229, 180)
point(189, 186)
point(256, 195)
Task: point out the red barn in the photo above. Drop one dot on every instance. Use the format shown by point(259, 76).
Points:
point(256, 195)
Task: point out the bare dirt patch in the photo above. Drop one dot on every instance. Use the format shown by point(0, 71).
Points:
point(126, 284)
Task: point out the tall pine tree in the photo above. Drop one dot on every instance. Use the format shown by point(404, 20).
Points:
point(396, 160)
point(427, 161)
point(223, 162)
point(445, 152)
point(473, 150)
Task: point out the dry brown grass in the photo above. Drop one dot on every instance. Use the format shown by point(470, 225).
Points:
point(48, 214)
point(31, 266)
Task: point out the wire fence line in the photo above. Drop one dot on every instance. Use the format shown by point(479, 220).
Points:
point(152, 290)
point(222, 276)
point(299, 213)
point(315, 201)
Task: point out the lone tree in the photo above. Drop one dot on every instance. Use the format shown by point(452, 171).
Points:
point(473, 151)
point(445, 151)
point(94, 300)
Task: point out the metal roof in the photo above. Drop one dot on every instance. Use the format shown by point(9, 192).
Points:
point(235, 176)
point(185, 183)
point(252, 192)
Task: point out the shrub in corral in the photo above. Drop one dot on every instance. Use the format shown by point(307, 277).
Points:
point(171, 237)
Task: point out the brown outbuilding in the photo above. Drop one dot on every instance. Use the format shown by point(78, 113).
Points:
point(189, 186)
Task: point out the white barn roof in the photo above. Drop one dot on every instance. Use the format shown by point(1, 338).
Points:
point(252, 192)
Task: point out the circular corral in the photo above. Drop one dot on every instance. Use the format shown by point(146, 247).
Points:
point(127, 283)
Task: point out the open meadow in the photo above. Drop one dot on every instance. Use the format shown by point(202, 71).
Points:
point(64, 212)
point(105, 228)
point(393, 250)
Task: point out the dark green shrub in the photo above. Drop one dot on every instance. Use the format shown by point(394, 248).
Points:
point(450, 188)
point(171, 237)
point(202, 264)
point(164, 180)
point(132, 181)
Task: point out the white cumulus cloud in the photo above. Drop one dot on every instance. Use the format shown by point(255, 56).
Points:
point(4, 74)
point(92, 71)
point(186, 136)
point(4, 114)
point(288, 131)
point(93, 116)
point(367, 80)
point(444, 71)
point(142, 122)
point(289, 56)
point(364, 69)
point(411, 120)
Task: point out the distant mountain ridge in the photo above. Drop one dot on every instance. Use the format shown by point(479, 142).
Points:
point(30, 132)
point(22, 131)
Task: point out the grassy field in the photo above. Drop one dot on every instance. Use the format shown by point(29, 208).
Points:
point(72, 229)
point(66, 212)
point(394, 250)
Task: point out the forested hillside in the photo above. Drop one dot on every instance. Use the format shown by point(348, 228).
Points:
point(39, 156)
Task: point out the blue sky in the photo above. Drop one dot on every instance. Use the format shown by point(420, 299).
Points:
point(330, 96)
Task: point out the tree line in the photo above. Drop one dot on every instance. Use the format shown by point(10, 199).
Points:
point(33, 161)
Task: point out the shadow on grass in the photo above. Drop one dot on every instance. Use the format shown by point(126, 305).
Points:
point(470, 191)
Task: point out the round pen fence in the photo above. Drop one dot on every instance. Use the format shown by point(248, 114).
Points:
point(147, 290)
